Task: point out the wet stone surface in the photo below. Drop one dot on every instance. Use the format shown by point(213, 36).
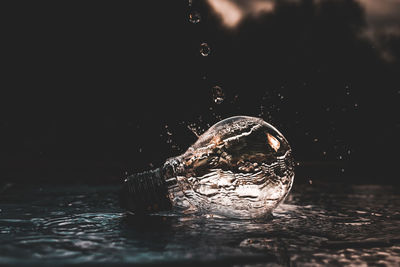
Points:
point(319, 224)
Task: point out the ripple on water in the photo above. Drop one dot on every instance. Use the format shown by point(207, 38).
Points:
point(316, 226)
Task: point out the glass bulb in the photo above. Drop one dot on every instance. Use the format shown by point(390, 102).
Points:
point(241, 167)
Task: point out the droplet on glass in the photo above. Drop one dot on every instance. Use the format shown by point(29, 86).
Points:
point(205, 49)
point(194, 17)
point(218, 94)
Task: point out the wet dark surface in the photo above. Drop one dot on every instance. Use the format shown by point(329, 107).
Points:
point(319, 224)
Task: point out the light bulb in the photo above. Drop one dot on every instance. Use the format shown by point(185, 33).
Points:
point(241, 167)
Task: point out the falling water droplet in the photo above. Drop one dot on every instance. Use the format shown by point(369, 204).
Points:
point(194, 17)
point(218, 94)
point(205, 49)
point(190, 2)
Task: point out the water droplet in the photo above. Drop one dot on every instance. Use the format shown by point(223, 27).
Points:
point(310, 181)
point(315, 139)
point(218, 94)
point(205, 49)
point(193, 129)
point(194, 17)
point(190, 2)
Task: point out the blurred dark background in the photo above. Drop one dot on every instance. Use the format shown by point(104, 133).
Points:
point(93, 91)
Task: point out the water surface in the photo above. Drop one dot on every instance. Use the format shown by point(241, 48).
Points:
point(318, 225)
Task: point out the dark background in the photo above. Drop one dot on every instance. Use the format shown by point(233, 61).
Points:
point(93, 91)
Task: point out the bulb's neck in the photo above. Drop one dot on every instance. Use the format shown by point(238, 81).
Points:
point(145, 192)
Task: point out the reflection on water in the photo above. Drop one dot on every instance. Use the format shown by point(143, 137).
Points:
point(318, 225)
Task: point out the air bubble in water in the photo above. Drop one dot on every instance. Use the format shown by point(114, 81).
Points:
point(205, 49)
point(194, 17)
point(218, 94)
